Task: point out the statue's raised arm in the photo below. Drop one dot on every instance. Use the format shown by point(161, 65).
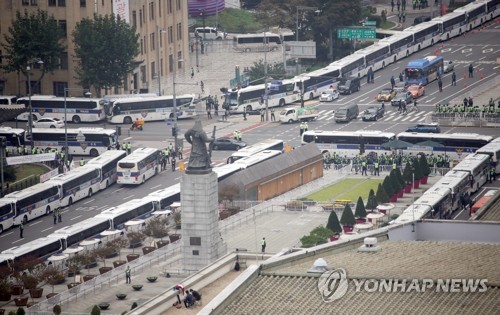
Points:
point(199, 160)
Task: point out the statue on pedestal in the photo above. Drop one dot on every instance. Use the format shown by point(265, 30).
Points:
point(200, 159)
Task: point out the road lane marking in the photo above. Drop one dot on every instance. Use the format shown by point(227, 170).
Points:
point(75, 218)
point(5, 234)
point(154, 187)
point(35, 223)
point(46, 229)
point(91, 200)
point(131, 196)
point(118, 190)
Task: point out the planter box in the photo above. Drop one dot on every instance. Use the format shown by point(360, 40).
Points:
point(88, 277)
point(360, 220)
point(121, 296)
point(224, 214)
point(105, 269)
point(152, 279)
point(416, 184)
point(148, 249)
point(72, 285)
point(104, 306)
point(5, 296)
point(135, 245)
point(118, 263)
point(174, 237)
point(112, 255)
point(401, 193)
point(408, 188)
point(48, 296)
point(347, 229)
point(131, 257)
point(36, 293)
point(161, 244)
point(394, 198)
point(17, 289)
point(137, 287)
point(21, 301)
point(423, 180)
point(334, 238)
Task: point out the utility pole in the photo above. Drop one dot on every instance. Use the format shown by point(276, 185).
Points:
point(3, 145)
point(158, 67)
point(266, 93)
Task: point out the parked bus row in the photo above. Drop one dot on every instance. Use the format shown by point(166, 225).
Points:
point(372, 58)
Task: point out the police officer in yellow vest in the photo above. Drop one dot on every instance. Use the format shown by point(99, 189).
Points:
point(394, 166)
point(377, 170)
point(364, 168)
point(239, 135)
point(124, 146)
point(235, 135)
point(82, 162)
point(129, 148)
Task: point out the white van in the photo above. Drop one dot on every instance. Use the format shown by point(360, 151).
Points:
point(209, 33)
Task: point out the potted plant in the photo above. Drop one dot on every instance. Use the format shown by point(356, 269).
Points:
point(401, 181)
point(396, 186)
point(294, 205)
point(360, 212)
point(347, 219)
point(372, 203)
point(417, 173)
point(426, 170)
point(178, 219)
point(57, 309)
point(328, 206)
point(334, 225)
point(381, 195)
point(121, 296)
point(137, 287)
point(101, 254)
point(408, 177)
point(52, 276)
point(5, 293)
point(152, 278)
point(31, 282)
point(21, 301)
point(387, 185)
point(135, 239)
point(117, 244)
point(157, 227)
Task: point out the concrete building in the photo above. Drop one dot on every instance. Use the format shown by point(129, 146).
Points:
point(161, 24)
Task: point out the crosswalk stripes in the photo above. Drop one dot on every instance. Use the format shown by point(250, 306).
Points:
point(392, 115)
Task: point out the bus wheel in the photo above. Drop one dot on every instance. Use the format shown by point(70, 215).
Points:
point(127, 120)
point(282, 102)
point(311, 96)
point(143, 179)
point(70, 201)
point(90, 192)
point(249, 108)
point(47, 211)
point(290, 121)
point(1, 229)
point(76, 119)
point(94, 153)
point(25, 219)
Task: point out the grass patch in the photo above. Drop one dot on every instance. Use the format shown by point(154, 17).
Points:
point(387, 25)
point(350, 189)
point(233, 21)
point(26, 170)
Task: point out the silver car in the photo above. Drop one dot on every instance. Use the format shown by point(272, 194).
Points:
point(448, 66)
point(329, 96)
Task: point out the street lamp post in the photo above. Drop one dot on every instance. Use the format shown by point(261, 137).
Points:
point(86, 92)
point(30, 109)
point(202, 14)
point(174, 130)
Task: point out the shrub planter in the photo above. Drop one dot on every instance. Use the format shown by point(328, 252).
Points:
point(334, 238)
point(394, 198)
point(48, 296)
point(152, 279)
point(112, 255)
point(104, 306)
point(174, 237)
point(416, 184)
point(135, 245)
point(121, 296)
point(148, 249)
point(17, 289)
point(36, 293)
point(408, 188)
point(160, 244)
point(21, 301)
point(347, 228)
point(137, 287)
point(2, 311)
point(423, 180)
point(401, 193)
point(224, 214)
point(328, 207)
point(360, 220)
point(5, 296)
point(131, 257)
point(72, 285)
point(91, 265)
point(88, 277)
point(105, 269)
point(118, 263)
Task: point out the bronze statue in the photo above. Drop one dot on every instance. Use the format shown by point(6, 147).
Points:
point(199, 159)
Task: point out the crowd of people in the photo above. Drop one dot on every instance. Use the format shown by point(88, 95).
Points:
point(468, 107)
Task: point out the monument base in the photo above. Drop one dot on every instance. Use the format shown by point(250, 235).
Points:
point(202, 243)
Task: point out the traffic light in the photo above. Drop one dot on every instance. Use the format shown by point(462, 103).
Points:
point(174, 132)
point(3, 142)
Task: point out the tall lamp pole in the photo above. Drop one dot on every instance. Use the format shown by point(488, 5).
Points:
point(87, 93)
point(202, 14)
point(30, 109)
point(174, 130)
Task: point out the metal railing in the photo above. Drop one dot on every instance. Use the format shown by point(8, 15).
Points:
point(114, 275)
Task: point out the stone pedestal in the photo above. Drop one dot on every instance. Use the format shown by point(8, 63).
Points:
point(202, 243)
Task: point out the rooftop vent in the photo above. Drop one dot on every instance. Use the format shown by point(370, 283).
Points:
point(319, 266)
point(370, 245)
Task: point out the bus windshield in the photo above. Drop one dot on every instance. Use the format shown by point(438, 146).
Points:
point(413, 74)
point(231, 99)
point(126, 165)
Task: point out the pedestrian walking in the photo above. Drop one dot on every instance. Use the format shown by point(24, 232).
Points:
point(192, 72)
point(364, 169)
point(129, 148)
point(59, 215)
point(400, 106)
point(440, 84)
point(202, 85)
point(245, 113)
point(471, 101)
point(127, 275)
point(392, 5)
point(393, 82)
point(273, 118)
point(471, 71)
point(376, 168)
point(400, 16)
point(415, 105)
point(301, 126)
point(21, 230)
point(453, 78)
point(261, 115)
point(398, 4)
point(226, 114)
point(404, 16)
point(209, 114)
point(404, 107)
point(401, 77)
point(173, 163)
point(263, 245)
point(54, 215)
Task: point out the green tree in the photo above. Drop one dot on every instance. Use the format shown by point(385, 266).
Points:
point(400, 178)
point(312, 240)
point(347, 218)
point(408, 173)
point(387, 185)
point(333, 223)
point(33, 35)
point(417, 169)
point(360, 211)
point(95, 310)
point(396, 185)
point(105, 48)
point(424, 165)
point(20, 311)
point(381, 195)
point(256, 73)
point(372, 201)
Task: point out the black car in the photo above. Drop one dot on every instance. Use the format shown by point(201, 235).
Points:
point(373, 113)
point(402, 96)
point(349, 85)
point(228, 144)
point(431, 128)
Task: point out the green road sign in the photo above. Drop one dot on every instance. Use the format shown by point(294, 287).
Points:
point(356, 33)
point(370, 23)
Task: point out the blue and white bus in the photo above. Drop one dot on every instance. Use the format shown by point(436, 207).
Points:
point(106, 163)
point(423, 71)
point(40, 248)
point(78, 109)
point(149, 108)
point(318, 81)
point(268, 144)
point(475, 14)
point(14, 138)
point(81, 141)
point(401, 45)
point(73, 234)
point(425, 34)
point(139, 166)
point(7, 213)
point(451, 25)
point(493, 150)
point(351, 66)
point(127, 211)
point(35, 201)
point(376, 56)
point(478, 166)
point(348, 143)
point(77, 184)
point(492, 9)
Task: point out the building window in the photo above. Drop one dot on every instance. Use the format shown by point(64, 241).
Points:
point(179, 60)
point(170, 63)
point(178, 7)
point(161, 66)
point(179, 31)
point(143, 74)
point(134, 19)
point(62, 26)
point(196, 252)
point(26, 2)
point(152, 40)
point(195, 241)
point(144, 14)
point(142, 47)
point(145, 44)
point(61, 3)
point(169, 6)
point(140, 18)
point(159, 8)
point(170, 34)
point(63, 62)
point(153, 70)
point(52, 3)
point(59, 88)
point(34, 2)
point(151, 11)
point(83, 3)
point(161, 38)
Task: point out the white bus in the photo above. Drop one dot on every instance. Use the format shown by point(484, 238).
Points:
point(73, 234)
point(257, 158)
point(126, 211)
point(14, 137)
point(451, 25)
point(78, 109)
point(9, 102)
point(81, 141)
point(139, 166)
point(475, 14)
point(435, 202)
point(400, 45)
point(458, 181)
point(492, 9)
point(478, 166)
point(318, 81)
point(265, 41)
point(147, 108)
point(41, 248)
point(453, 144)
point(351, 66)
point(106, 163)
point(268, 144)
point(163, 198)
point(424, 34)
point(348, 143)
point(253, 97)
point(77, 184)
point(35, 201)
point(7, 213)
point(376, 56)
point(493, 150)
